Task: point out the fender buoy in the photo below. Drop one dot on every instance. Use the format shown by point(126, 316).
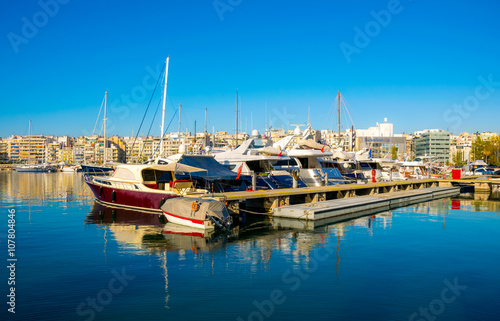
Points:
point(101, 191)
point(162, 201)
point(113, 196)
point(195, 206)
point(295, 174)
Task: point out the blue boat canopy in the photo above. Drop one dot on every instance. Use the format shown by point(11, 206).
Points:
point(214, 170)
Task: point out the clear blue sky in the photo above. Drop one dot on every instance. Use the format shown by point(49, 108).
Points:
point(415, 63)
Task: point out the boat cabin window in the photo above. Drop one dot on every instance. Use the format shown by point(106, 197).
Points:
point(165, 177)
point(148, 175)
point(365, 166)
point(153, 175)
point(229, 166)
point(257, 166)
point(286, 162)
point(258, 143)
point(304, 162)
point(309, 162)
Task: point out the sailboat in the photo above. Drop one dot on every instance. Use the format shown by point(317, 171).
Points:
point(92, 169)
point(35, 168)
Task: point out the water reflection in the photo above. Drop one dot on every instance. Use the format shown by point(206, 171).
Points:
point(24, 189)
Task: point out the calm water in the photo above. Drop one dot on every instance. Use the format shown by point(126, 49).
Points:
point(437, 260)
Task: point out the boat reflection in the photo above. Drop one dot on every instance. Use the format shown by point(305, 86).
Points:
point(146, 231)
point(180, 238)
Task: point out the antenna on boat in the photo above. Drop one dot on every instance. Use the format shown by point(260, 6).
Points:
point(163, 110)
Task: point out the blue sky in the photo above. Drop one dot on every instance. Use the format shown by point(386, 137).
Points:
point(422, 64)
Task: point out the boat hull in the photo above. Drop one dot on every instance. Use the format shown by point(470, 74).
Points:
point(188, 221)
point(32, 170)
point(129, 198)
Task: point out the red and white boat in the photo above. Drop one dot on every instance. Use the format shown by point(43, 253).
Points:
point(203, 213)
point(144, 187)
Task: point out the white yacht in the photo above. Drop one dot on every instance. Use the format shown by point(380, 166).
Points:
point(257, 156)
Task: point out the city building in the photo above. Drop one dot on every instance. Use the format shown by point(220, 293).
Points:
point(433, 143)
point(381, 140)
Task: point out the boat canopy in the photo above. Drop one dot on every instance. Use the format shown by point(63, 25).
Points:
point(213, 169)
point(134, 172)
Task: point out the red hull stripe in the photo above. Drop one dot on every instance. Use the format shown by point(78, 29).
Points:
point(187, 234)
point(185, 218)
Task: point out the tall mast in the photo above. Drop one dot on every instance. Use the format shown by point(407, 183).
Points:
point(29, 143)
point(179, 134)
point(205, 131)
point(236, 117)
point(163, 110)
point(339, 117)
point(105, 102)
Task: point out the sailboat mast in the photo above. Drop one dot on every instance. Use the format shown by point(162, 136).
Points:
point(339, 117)
point(105, 103)
point(29, 143)
point(205, 131)
point(179, 134)
point(163, 110)
point(236, 117)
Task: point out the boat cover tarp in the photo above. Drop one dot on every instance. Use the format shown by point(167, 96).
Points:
point(214, 170)
point(183, 206)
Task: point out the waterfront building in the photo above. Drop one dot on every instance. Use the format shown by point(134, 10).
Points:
point(66, 155)
point(461, 144)
point(381, 140)
point(4, 151)
point(78, 152)
point(434, 143)
point(347, 138)
point(26, 149)
point(53, 150)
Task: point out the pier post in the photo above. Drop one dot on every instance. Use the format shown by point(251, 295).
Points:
point(254, 181)
point(482, 187)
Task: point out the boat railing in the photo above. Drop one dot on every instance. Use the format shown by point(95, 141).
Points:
point(95, 172)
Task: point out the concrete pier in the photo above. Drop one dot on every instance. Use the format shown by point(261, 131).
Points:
point(363, 205)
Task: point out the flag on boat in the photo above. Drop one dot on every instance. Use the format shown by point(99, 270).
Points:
point(239, 171)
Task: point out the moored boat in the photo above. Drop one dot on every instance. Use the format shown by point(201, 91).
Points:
point(197, 212)
point(144, 187)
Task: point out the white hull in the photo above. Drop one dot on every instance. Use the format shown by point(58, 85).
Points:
point(188, 222)
point(31, 170)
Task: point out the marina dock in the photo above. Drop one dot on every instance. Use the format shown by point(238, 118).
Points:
point(365, 204)
point(327, 202)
